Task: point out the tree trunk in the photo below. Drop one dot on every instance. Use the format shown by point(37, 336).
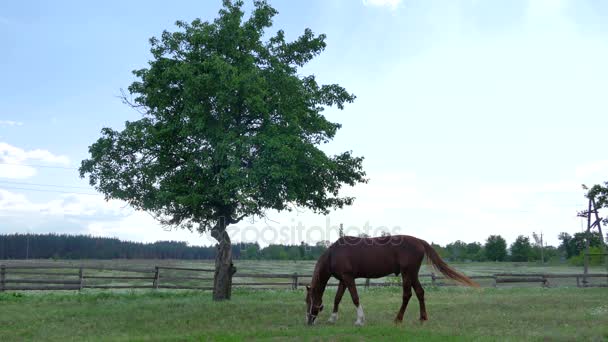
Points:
point(224, 269)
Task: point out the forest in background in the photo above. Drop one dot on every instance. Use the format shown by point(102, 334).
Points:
point(495, 248)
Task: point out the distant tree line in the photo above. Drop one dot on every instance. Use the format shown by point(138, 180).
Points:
point(47, 246)
point(495, 248)
point(54, 246)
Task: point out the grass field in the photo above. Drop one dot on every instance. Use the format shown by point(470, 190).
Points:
point(306, 266)
point(455, 314)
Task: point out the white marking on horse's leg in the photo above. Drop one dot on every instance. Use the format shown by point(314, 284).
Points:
point(360, 315)
point(333, 318)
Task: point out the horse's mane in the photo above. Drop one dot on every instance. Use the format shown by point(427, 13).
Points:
point(321, 268)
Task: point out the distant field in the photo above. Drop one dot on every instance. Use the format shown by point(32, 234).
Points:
point(307, 266)
point(455, 314)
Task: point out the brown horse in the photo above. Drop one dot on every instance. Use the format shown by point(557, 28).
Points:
point(352, 257)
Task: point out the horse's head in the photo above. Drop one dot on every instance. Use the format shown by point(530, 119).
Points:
point(314, 305)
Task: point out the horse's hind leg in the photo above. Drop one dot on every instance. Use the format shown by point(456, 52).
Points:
point(334, 315)
point(407, 294)
point(420, 294)
point(349, 282)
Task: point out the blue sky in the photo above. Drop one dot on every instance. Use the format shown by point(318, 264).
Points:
point(475, 117)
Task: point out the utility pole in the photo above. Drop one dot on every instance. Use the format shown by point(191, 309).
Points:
point(538, 241)
point(542, 247)
point(27, 246)
point(586, 258)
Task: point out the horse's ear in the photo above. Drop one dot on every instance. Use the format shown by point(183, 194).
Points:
point(307, 287)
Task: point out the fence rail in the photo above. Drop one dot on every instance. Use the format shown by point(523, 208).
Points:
point(25, 278)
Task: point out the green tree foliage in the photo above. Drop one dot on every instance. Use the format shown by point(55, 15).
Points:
point(496, 248)
point(572, 246)
point(475, 251)
point(595, 259)
point(521, 249)
point(462, 251)
point(250, 251)
point(230, 129)
point(46, 246)
point(550, 253)
point(566, 246)
point(457, 250)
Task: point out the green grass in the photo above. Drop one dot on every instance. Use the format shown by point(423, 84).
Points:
point(455, 314)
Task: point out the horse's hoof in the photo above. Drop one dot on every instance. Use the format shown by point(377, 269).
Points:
point(398, 321)
point(333, 318)
point(359, 323)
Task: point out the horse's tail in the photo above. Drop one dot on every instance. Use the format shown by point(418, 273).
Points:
point(442, 267)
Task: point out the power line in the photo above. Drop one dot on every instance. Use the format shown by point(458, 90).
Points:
point(57, 191)
point(45, 185)
point(43, 166)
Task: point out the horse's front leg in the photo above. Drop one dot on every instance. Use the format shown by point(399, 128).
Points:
point(334, 315)
point(350, 284)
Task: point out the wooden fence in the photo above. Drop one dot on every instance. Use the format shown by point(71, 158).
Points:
point(70, 277)
point(544, 280)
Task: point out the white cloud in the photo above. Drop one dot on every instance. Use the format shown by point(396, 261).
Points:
point(65, 205)
point(81, 214)
point(11, 157)
point(10, 122)
point(392, 4)
point(592, 170)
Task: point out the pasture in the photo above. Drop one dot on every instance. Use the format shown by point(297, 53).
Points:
point(455, 314)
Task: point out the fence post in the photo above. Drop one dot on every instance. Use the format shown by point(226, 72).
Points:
point(294, 285)
point(433, 278)
point(2, 277)
point(367, 283)
point(545, 281)
point(156, 277)
point(81, 278)
point(495, 280)
point(578, 282)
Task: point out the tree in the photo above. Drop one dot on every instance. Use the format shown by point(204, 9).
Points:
point(567, 246)
point(474, 251)
point(496, 248)
point(574, 245)
point(230, 129)
point(521, 249)
point(457, 250)
point(323, 244)
point(578, 241)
